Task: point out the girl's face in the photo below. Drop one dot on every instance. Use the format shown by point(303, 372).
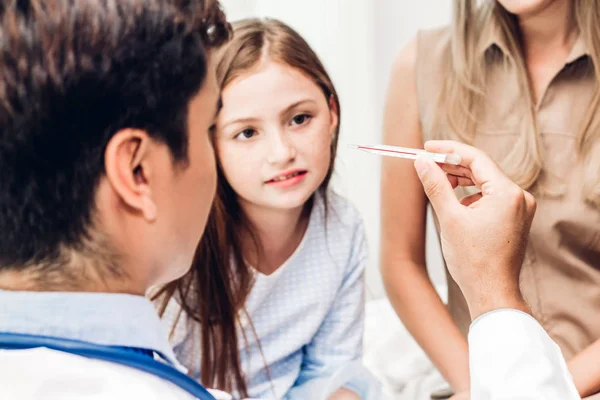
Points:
point(274, 136)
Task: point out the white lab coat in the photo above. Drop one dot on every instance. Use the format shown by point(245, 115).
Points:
point(512, 357)
point(41, 373)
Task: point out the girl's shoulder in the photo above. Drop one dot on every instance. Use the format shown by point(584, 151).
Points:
point(336, 210)
point(335, 242)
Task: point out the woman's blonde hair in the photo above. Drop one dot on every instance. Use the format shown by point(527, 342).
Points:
point(465, 89)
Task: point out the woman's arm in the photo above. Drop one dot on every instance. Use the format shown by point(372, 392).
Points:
point(403, 233)
point(585, 369)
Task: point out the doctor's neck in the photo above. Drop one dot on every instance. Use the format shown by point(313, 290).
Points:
point(73, 271)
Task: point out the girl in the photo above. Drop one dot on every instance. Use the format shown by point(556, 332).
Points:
point(280, 312)
point(520, 80)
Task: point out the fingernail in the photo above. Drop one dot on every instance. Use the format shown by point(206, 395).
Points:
point(486, 189)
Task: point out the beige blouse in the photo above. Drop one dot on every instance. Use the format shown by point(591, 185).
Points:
point(561, 273)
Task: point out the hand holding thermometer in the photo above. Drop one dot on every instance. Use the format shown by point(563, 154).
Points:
point(405, 152)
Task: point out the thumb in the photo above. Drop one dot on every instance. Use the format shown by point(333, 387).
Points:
point(437, 187)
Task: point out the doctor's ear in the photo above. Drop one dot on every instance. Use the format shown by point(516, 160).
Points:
point(129, 170)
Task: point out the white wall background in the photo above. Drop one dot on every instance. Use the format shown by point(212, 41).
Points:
point(357, 40)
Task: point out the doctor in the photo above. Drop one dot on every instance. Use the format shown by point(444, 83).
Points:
point(107, 175)
point(483, 240)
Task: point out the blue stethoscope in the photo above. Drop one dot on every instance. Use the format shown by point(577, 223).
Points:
point(123, 356)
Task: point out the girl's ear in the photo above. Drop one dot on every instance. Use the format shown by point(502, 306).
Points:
point(334, 113)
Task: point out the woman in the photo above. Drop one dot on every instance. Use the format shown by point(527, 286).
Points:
point(520, 80)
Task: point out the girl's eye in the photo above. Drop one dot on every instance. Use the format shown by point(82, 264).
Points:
point(300, 119)
point(245, 134)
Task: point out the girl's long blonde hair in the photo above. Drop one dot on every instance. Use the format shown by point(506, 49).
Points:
point(465, 89)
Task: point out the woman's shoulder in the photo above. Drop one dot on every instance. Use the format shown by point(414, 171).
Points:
point(431, 47)
point(436, 36)
point(430, 59)
point(422, 50)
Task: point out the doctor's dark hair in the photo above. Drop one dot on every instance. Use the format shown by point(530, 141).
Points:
point(72, 74)
point(213, 293)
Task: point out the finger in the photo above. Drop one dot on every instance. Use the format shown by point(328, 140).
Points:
point(437, 187)
point(467, 201)
point(459, 181)
point(482, 168)
point(457, 170)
